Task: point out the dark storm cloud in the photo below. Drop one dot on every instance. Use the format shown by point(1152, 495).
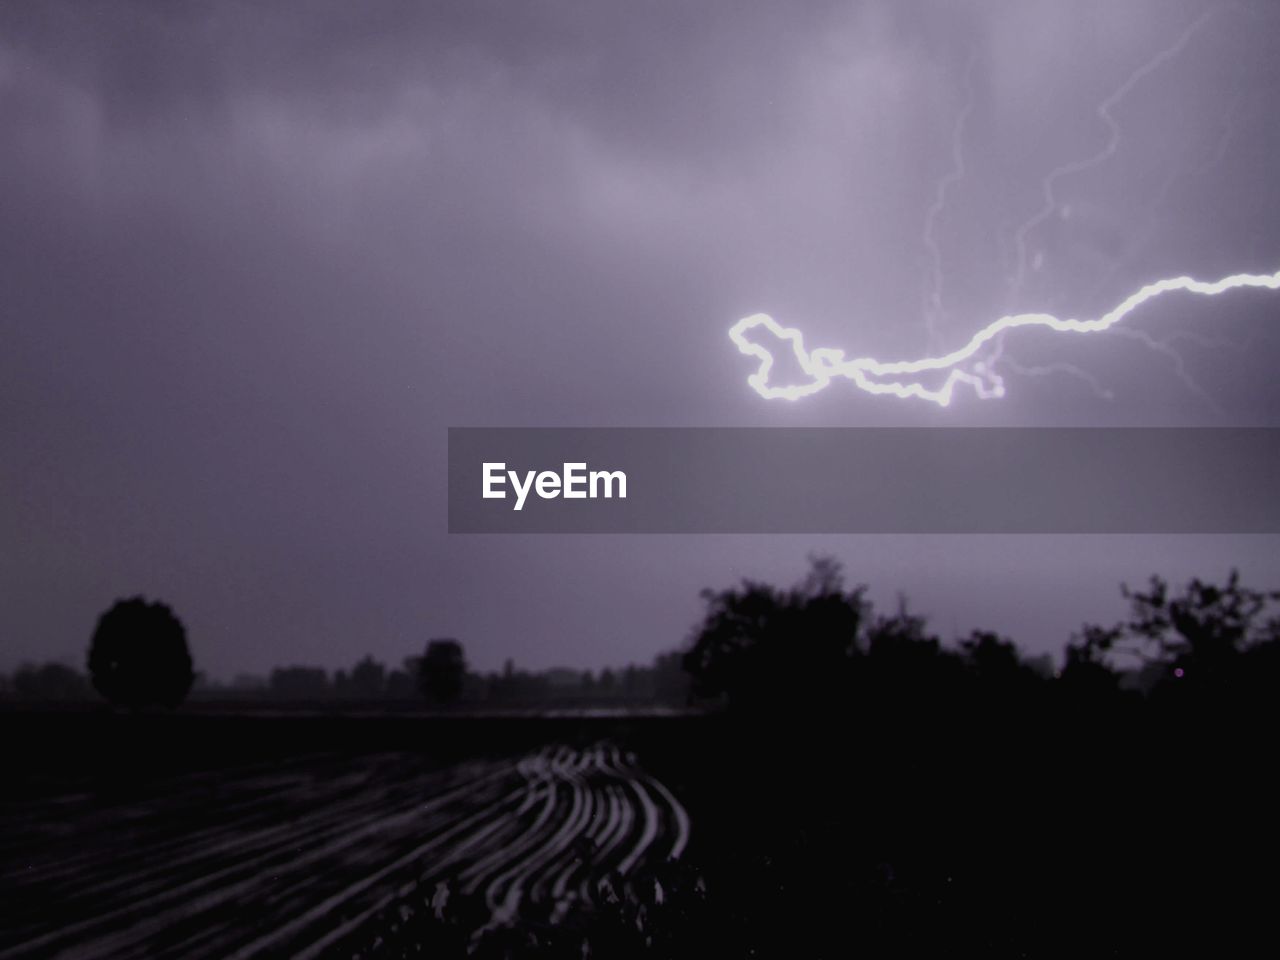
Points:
point(255, 258)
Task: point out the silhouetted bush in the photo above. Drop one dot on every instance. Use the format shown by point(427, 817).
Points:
point(49, 681)
point(299, 683)
point(138, 656)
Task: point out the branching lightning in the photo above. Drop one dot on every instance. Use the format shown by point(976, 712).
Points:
point(1109, 149)
point(1050, 205)
point(1059, 367)
point(825, 364)
point(1177, 361)
point(977, 362)
point(933, 302)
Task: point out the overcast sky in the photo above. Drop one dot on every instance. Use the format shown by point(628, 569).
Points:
point(255, 259)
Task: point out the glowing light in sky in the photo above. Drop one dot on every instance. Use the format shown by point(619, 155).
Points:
point(975, 365)
point(881, 377)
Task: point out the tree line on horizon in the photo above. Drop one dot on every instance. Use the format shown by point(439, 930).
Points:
point(820, 644)
point(371, 680)
point(758, 646)
point(145, 644)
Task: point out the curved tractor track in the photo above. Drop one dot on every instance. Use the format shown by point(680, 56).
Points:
point(289, 859)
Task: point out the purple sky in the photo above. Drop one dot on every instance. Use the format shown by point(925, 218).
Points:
point(253, 262)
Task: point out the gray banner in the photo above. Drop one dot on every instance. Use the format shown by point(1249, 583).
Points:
point(864, 480)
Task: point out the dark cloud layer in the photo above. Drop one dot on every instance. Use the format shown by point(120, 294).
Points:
point(254, 261)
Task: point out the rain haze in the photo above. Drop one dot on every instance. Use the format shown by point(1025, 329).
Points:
point(254, 261)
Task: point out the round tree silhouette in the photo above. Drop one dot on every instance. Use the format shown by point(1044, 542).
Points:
point(139, 656)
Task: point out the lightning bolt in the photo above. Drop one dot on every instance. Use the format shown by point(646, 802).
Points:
point(1165, 348)
point(1228, 128)
point(877, 377)
point(1058, 367)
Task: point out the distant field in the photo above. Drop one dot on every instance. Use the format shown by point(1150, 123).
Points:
point(142, 837)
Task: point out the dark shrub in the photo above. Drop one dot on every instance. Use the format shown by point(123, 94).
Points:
point(442, 670)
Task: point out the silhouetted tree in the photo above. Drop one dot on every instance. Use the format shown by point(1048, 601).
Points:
point(761, 645)
point(1086, 673)
point(442, 670)
point(1207, 630)
point(669, 682)
point(998, 678)
point(401, 684)
point(990, 656)
point(1208, 639)
point(368, 679)
point(996, 664)
point(138, 656)
point(900, 644)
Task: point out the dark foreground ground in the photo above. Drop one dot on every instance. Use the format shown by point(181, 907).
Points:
point(1038, 833)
